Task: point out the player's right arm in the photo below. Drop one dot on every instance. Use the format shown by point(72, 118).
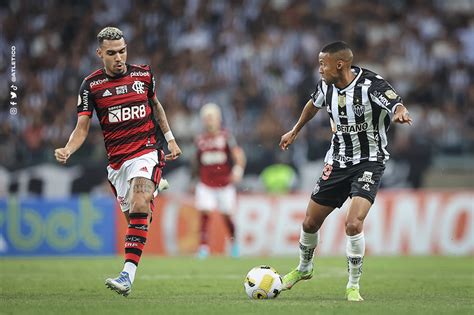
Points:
point(76, 139)
point(314, 104)
point(85, 105)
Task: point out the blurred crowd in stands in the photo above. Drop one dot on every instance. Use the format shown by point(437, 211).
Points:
point(257, 59)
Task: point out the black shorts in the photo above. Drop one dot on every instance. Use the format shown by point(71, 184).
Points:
point(336, 184)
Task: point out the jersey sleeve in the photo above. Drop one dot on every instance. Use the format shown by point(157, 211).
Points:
point(318, 96)
point(152, 86)
point(383, 94)
point(85, 101)
point(231, 141)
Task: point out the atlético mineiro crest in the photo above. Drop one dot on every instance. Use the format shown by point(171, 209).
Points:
point(358, 107)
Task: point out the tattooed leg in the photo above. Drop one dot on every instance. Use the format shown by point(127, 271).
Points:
point(141, 194)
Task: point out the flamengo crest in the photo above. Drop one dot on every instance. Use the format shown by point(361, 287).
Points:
point(138, 86)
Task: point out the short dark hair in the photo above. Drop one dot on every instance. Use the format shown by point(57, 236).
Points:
point(335, 47)
point(110, 33)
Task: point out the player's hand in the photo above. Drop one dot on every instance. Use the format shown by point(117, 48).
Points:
point(287, 139)
point(174, 149)
point(402, 116)
point(237, 174)
point(62, 155)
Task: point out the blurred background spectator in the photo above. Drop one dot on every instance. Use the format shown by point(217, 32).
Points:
point(257, 59)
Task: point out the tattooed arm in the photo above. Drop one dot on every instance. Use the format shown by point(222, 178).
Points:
point(160, 117)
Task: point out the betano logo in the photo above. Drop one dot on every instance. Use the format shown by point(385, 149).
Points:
point(126, 113)
point(353, 128)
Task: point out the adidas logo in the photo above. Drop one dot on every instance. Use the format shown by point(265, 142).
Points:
point(106, 93)
point(144, 169)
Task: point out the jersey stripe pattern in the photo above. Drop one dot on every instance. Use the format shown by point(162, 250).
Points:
point(361, 113)
point(214, 157)
point(122, 107)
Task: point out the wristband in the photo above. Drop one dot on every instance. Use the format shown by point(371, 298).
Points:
point(238, 170)
point(169, 136)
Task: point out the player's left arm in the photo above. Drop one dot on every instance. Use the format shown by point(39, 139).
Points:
point(383, 94)
point(240, 161)
point(162, 121)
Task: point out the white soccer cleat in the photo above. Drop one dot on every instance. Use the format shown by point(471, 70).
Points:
point(122, 284)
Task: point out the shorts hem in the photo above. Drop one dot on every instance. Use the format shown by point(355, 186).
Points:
point(325, 202)
point(365, 196)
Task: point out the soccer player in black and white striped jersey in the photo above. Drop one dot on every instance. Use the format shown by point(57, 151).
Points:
point(361, 105)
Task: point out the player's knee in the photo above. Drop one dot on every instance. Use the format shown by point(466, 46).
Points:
point(310, 225)
point(140, 205)
point(353, 227)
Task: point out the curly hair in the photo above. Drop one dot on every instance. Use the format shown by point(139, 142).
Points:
point(110, 33)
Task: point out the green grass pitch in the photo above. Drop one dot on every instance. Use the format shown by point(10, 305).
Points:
point(185, 285)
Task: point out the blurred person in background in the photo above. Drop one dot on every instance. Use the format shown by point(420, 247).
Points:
point(123, 96)
point(220, 165)
point(361, 105)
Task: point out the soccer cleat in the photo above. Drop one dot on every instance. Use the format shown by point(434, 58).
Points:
point(203, 252)
point(291, 278)
point(163, 185)
point(122, 284)
point(234, 250)
point(353, 294)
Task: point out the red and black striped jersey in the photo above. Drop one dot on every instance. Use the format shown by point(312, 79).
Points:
point(122, 106)
point(214, 157)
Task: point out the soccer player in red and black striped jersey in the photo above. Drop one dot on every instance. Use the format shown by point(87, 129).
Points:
point(124, 99)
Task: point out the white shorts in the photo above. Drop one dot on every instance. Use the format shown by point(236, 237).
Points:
point(147, 165)
point(222, 199)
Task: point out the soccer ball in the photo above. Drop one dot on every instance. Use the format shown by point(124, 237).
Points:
point(262, 282)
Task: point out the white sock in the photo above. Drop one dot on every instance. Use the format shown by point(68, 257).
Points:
point(130, 268)
point(308, 242)
point(355, 249)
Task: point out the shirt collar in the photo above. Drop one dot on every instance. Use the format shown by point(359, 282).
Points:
point(358, 73)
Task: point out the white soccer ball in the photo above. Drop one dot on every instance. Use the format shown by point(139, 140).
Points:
point(262, 282)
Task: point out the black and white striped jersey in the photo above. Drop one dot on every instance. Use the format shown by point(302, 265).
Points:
point(361, 113)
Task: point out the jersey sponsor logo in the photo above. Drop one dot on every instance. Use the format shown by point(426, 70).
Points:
point(391, 94)
point(366, 187)
point(316, 95)
point(138, 86)
point(139, 74)
point(366, 178)
point(341, 158)
point(106, 93)
point(353, 128)
point(218, 142)
point(213, 157)
point(119, 114)
point(121, 89)
point(98, 82)
point(85, 99)
point(153, 84)
point(382, 99)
